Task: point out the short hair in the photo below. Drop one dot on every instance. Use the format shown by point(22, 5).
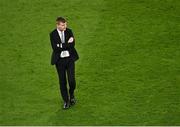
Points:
point(61, 19)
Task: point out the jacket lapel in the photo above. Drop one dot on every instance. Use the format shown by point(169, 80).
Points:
point(58, 37)
point(65, 34)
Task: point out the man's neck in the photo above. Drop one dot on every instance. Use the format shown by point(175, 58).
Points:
point(60, 30)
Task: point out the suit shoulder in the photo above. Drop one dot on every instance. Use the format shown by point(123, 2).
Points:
point(69, 29)
point(52, 32)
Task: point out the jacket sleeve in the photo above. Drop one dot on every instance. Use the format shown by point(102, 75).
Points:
point(54, 46)
point(72, 44)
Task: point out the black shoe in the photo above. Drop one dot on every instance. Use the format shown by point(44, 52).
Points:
point(66, 105)
point(72, 101)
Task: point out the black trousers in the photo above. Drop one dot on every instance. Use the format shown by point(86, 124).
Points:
point(66, 66)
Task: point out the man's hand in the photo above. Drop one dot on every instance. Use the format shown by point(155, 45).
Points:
point(71, 39)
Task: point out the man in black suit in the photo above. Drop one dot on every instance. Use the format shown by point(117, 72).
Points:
point(64, 56)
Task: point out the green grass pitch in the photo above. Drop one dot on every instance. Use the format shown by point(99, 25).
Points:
point(128, 72)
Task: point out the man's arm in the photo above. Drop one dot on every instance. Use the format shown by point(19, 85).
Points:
point(56, 47)
point(71, 35)
point(70, 44)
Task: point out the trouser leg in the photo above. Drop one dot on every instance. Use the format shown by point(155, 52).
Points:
point(61, 69)
point(71, 77)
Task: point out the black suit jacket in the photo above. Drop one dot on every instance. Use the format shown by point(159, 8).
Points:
point(55, 40)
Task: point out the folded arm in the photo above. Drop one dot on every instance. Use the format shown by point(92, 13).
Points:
point(56, 47)
point(71, 41)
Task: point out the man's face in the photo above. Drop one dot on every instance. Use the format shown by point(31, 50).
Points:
point(61, 26)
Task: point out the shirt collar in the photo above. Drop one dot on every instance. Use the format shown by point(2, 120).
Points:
point(59, 31)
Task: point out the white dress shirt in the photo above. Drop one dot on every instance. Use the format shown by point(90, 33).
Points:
point(61, 34)
point(64, 53)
